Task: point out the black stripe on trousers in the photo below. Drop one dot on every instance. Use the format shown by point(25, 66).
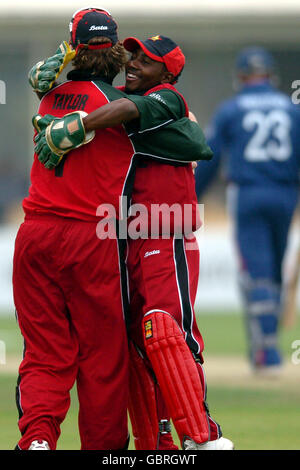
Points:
point(183, 286)
point(18, 398)
point(122, 247)
point(17, 389)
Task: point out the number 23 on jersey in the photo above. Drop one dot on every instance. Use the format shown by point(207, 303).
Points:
point(271, 135)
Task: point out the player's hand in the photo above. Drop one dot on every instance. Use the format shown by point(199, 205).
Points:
point(57, 137)
point(45, 156)
point(40, 122)
point(43, 75)
point(192, 117)
point(194, 166)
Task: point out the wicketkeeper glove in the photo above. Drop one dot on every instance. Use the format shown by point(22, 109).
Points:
point(43, 75)
point(58, 136)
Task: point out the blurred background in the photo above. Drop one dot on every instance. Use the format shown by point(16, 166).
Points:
point(210, 33)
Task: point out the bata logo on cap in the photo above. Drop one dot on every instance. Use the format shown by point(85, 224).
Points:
point(98, 28)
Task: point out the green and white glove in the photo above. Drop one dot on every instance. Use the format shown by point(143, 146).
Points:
point(43, 75)
point(58, 136)
point(40, 123)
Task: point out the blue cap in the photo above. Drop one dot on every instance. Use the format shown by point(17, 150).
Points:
point(161, 49)
point(254, 60)
point(90, 22)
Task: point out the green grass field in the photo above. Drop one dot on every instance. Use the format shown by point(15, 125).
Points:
point(257, 414)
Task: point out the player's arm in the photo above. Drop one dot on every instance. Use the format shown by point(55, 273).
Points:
point(192, 117)
point(146, 114)
point(156, 110)
point(180, 141)
point(112, 114)
point(157, 126)
point(58, 136)
point(164, 132)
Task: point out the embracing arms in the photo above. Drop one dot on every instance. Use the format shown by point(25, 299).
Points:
point(155, 124)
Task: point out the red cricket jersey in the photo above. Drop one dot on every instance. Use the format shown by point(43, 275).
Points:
point(159, 183)
point(91, 175)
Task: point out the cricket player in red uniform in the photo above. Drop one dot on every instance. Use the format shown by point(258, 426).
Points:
point(68, 295)
point(65, 278)
point(164, 327)
point(163, 275)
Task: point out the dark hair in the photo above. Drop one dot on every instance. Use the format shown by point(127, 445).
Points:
point(107, 62)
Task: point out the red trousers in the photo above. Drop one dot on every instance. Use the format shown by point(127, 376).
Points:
point(67, 294)
point(164, 277)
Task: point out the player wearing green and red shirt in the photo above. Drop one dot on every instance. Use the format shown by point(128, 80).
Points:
point(163, 275)
point(67, 290)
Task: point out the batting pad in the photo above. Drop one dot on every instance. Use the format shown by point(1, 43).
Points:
point(142, 403)
point(177, 375)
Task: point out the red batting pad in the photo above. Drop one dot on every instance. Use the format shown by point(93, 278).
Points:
point(142, 403)
point(177, 375)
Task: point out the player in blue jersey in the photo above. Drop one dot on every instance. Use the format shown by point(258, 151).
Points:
point(257, 131)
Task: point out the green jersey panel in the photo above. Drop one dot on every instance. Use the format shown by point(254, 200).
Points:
point(162, 131)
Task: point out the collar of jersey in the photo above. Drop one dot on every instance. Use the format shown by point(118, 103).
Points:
point(83, 75)
point(259, 86)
